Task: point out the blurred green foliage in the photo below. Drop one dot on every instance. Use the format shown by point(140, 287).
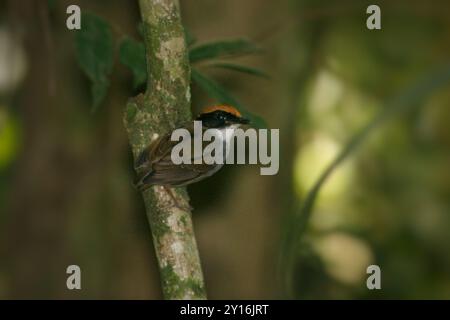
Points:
point(381, 205)
point(228, 48)
point(411, 97)
point(132, 55)
point(9, 139)
point(95, 53)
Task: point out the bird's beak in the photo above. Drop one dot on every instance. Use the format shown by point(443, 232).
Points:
point(244, 121)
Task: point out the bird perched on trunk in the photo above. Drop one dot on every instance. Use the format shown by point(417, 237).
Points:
point(155, 166)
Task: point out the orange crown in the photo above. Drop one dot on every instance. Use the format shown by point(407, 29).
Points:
point(225, 108)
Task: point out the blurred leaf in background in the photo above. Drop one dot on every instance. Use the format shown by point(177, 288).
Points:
point(95, 54)
point(9, 138)
point(10, 144)
point(366, 210)
point(240, 68)
point(132, 55)
point(227, 48)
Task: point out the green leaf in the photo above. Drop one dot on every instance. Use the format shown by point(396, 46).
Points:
point(99, 89)
point(95, 54)
point(132, 55)
point(214, 90)
point(222, 48)
point(240, 68)
point(51, 4)
point(411, 98)
point(190, 38)
point(10, 134)
point(140, 29)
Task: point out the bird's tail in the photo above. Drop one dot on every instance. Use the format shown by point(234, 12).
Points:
point(140, 183)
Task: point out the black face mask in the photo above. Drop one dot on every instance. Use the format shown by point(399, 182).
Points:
point(216, 119)
point(219, 119)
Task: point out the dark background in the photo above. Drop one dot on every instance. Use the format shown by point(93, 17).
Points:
point(66, 193)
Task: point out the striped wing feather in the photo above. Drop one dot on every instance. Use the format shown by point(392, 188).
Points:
point(155, 167)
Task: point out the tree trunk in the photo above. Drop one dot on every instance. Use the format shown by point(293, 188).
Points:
point(165, 105)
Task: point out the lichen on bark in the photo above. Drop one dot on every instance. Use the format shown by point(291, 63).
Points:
point(165, 105)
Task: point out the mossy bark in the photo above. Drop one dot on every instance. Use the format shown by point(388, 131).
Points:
point(165, 105)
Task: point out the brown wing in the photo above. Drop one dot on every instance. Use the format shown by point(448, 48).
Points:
point(155, 166)
point(178, 175)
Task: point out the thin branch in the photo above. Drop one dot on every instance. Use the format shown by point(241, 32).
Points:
point(165, 105)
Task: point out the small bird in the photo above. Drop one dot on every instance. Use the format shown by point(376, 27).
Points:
point(155, 166)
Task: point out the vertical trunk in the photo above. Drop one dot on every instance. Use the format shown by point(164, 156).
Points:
point(165, 105)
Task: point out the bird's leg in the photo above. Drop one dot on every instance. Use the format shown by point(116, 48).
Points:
point(183, 207)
